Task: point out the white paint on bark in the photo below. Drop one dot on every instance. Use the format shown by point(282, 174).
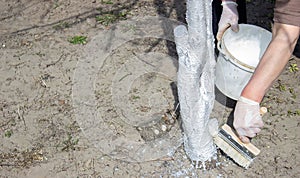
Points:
point(195, 48)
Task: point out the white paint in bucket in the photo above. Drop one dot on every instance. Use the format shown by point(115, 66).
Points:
point(239, 55)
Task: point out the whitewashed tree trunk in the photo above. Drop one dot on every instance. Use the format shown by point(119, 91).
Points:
point(195, 48)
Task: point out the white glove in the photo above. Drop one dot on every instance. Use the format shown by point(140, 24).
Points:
point(229, 17)
point(247, 119)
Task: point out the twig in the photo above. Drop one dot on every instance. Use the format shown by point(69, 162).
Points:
point(20, 116)
point(174, 112)
point(16, 65)
point(166, 158)
point(43, 83)
point(55, 62)
point(7, 165)
point(125, 76)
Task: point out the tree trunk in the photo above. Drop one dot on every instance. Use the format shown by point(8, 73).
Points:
point(195, 48)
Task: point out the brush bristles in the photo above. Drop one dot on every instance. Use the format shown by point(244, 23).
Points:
point(232, 153)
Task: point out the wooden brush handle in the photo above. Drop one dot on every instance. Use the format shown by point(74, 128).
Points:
point(249, 145)
point(263, 110)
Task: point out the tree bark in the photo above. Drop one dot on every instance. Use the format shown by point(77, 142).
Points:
point(195, 48)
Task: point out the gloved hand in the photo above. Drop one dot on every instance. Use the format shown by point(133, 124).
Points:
point(229, 18)
point(247, 119)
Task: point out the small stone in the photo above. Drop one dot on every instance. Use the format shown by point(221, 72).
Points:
point(156, 131)
point(36, 37)
point(88, 163)
point(112, 127)
point(163, 128)
point(91, 22)
point(171, 121)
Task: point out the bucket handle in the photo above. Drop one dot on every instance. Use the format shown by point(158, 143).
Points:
point(221, 50)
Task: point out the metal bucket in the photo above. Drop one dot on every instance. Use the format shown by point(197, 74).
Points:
point(239, 54)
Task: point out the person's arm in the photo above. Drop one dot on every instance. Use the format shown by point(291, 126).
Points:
point(273, 61)
point(247, 120)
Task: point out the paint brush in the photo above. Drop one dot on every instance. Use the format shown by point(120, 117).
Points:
point(242, 153)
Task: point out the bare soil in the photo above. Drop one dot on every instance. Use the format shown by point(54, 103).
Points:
point(95, 109)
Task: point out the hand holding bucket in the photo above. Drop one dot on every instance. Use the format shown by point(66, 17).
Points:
point(229, 18)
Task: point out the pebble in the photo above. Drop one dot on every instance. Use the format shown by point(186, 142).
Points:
point(164, 128)
point(171, 121)
point(91, 22)
point(88, 163)
point(156, 131)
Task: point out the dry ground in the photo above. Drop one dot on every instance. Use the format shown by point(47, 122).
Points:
point(43, 132)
